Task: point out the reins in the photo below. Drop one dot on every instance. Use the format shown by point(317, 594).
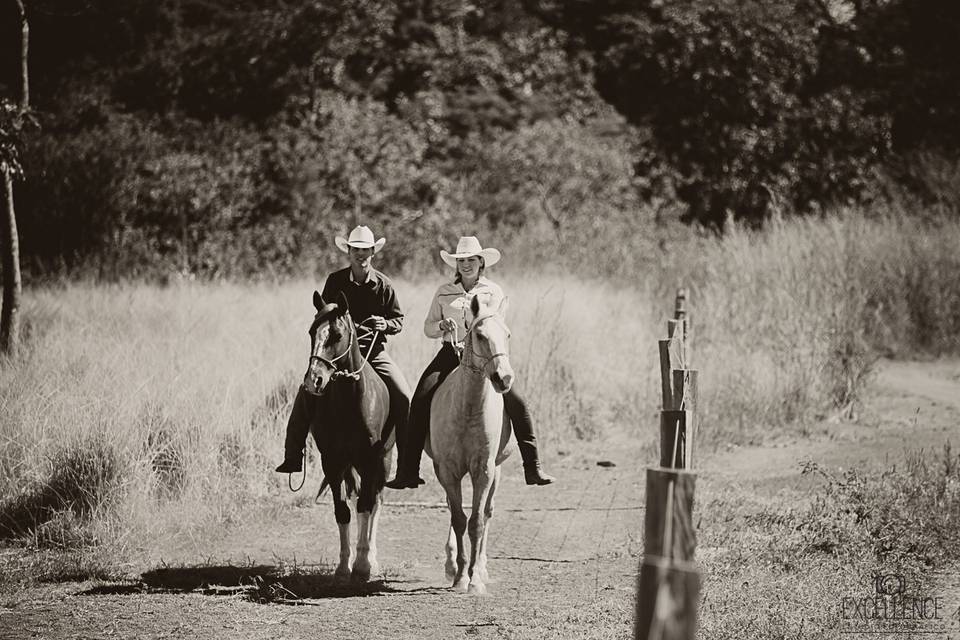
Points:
point(303, 480)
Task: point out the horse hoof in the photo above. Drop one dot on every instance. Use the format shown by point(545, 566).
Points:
point(477, 588)
point(451, 570)
point(343, 571)
point(461, 586)
point(360, 576)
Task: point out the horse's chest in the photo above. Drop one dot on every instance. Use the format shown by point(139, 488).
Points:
point(347, 427)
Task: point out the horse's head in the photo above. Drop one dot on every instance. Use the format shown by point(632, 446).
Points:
point(331, 334)
point(488, 341)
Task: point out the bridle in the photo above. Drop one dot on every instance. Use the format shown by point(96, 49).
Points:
point(468, 340)
point(331, 362)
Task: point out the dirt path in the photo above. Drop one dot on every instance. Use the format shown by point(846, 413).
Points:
point(909, 405)
point(563, 557)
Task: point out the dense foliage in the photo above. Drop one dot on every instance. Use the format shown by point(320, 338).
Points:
point(216, 139)
point(789, 105)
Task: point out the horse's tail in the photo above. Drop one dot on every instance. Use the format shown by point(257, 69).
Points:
point(351, 479)
point(351, 482)
point(324, 485)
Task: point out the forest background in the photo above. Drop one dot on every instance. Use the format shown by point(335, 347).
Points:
point(218, 140)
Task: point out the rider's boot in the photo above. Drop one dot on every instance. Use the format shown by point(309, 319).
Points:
point(408, 461)
point(527, 443)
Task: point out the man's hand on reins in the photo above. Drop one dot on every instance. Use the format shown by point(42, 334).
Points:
point(377, 323)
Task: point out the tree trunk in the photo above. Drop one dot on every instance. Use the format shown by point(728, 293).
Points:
point(10, 250)
point(24, 48)
point(9, 239)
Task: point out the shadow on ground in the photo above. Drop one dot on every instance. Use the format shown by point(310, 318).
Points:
point(265, 584)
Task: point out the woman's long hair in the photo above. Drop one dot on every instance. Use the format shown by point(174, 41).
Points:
point(457, 279)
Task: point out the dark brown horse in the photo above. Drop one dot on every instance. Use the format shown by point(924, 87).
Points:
point(349, 424)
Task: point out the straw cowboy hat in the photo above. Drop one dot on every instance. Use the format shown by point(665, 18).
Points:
point(361, 238)
point(467, 247)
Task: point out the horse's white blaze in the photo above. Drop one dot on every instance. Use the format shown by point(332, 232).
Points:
point(323, 332)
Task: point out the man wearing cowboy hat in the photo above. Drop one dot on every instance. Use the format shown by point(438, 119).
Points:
point(373, 304)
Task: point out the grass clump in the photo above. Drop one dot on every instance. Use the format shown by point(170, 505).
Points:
point(83, 479)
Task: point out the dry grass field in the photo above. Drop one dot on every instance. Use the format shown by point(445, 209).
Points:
point(143, 417)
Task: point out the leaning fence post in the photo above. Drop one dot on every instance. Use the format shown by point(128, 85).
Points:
point(668, 586)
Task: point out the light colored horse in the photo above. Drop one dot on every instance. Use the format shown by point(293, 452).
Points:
point(469, 431)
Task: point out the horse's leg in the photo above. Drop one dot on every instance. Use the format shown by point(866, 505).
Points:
point(451, 549)
point(488, 513)
point(381, 467)
point(368, 511)
point(342, 512)
point(482, 480)
point(458, 527)
point(372, 540)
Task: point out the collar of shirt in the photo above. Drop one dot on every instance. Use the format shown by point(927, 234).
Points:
point(367, 281)
point(482, 283)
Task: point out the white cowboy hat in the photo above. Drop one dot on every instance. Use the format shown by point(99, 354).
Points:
point(362, 238)
point(469, 246)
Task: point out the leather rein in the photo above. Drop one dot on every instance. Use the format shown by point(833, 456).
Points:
point(331, 363)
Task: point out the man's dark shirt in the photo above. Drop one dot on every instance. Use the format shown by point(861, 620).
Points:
point(375, 297)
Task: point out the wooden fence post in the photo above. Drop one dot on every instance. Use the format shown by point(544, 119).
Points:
point(668, 523)
point(668, 592)
point(668, 585)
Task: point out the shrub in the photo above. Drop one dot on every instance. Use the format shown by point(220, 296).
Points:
point(908, 514)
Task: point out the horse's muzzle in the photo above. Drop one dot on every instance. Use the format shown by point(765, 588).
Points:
point(316, 379)
point(501, 381)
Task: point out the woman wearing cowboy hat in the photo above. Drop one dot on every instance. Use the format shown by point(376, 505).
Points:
point(373, 304)
point(449, 318)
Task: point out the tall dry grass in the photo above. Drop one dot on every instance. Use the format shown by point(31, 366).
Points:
point(162, 409)
point(178, 397)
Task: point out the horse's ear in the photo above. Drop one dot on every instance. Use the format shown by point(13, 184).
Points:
point(342, 302)
point(475, 306)
point(318, 300)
